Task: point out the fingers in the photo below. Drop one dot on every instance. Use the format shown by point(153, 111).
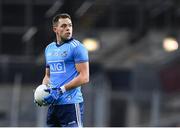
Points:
point(39, 105)
point(50, 100)
point(47, 90)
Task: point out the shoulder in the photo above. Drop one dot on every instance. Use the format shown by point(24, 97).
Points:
point(76, 44)
point(49, 46)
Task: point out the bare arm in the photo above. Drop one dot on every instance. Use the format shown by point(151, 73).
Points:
point(46, 77)
point(82, 78)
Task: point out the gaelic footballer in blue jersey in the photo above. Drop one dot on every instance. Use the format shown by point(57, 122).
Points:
point(67, 69)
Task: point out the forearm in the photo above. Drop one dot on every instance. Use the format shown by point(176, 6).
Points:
point(77, 81)
point(45, 80)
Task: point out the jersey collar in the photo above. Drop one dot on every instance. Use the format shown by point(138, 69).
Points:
point(66, 41)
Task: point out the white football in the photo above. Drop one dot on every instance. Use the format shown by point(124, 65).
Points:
point(39, 94)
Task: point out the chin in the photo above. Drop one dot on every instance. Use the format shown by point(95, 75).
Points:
point(69, 37)
point(66, 38)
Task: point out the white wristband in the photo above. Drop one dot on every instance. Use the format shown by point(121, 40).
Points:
point(63, 89)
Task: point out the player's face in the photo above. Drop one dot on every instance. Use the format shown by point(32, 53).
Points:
point(64, 29)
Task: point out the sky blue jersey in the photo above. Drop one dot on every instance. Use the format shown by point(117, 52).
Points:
point(61, 60)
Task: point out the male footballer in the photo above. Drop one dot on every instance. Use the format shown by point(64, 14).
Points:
point(67, 69)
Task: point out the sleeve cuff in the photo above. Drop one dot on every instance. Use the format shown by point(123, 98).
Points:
point(63, 89)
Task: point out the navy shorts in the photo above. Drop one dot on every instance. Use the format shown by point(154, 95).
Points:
point(68, 115)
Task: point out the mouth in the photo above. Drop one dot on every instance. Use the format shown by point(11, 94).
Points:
point(68, 33)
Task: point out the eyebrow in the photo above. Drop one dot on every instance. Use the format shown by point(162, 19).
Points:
point(66, 24)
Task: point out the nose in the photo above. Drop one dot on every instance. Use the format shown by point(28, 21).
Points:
point(67, 28)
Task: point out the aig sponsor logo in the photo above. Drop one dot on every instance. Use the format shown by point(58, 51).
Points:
point(57, 66)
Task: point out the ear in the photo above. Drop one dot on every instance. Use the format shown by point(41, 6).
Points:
point(54, 29)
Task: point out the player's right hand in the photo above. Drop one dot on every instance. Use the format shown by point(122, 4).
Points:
point(52, 97)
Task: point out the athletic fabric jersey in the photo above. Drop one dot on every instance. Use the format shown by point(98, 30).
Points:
point(61, 60)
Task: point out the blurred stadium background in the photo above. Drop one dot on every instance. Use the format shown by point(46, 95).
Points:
point(135, 71)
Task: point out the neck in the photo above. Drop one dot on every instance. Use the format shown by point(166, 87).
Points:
point(60, 40)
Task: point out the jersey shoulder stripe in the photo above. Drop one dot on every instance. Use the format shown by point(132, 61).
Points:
point(75, 43)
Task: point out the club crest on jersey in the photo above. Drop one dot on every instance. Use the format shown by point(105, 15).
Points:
point(64, 54)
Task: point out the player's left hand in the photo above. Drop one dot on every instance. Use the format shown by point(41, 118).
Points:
point(54, 94)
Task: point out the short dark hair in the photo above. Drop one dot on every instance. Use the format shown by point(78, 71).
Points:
point(58, 16)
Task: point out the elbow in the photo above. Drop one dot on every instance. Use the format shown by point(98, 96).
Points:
point(86, 80)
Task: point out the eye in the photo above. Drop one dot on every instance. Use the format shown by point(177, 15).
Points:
point(63, 25)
